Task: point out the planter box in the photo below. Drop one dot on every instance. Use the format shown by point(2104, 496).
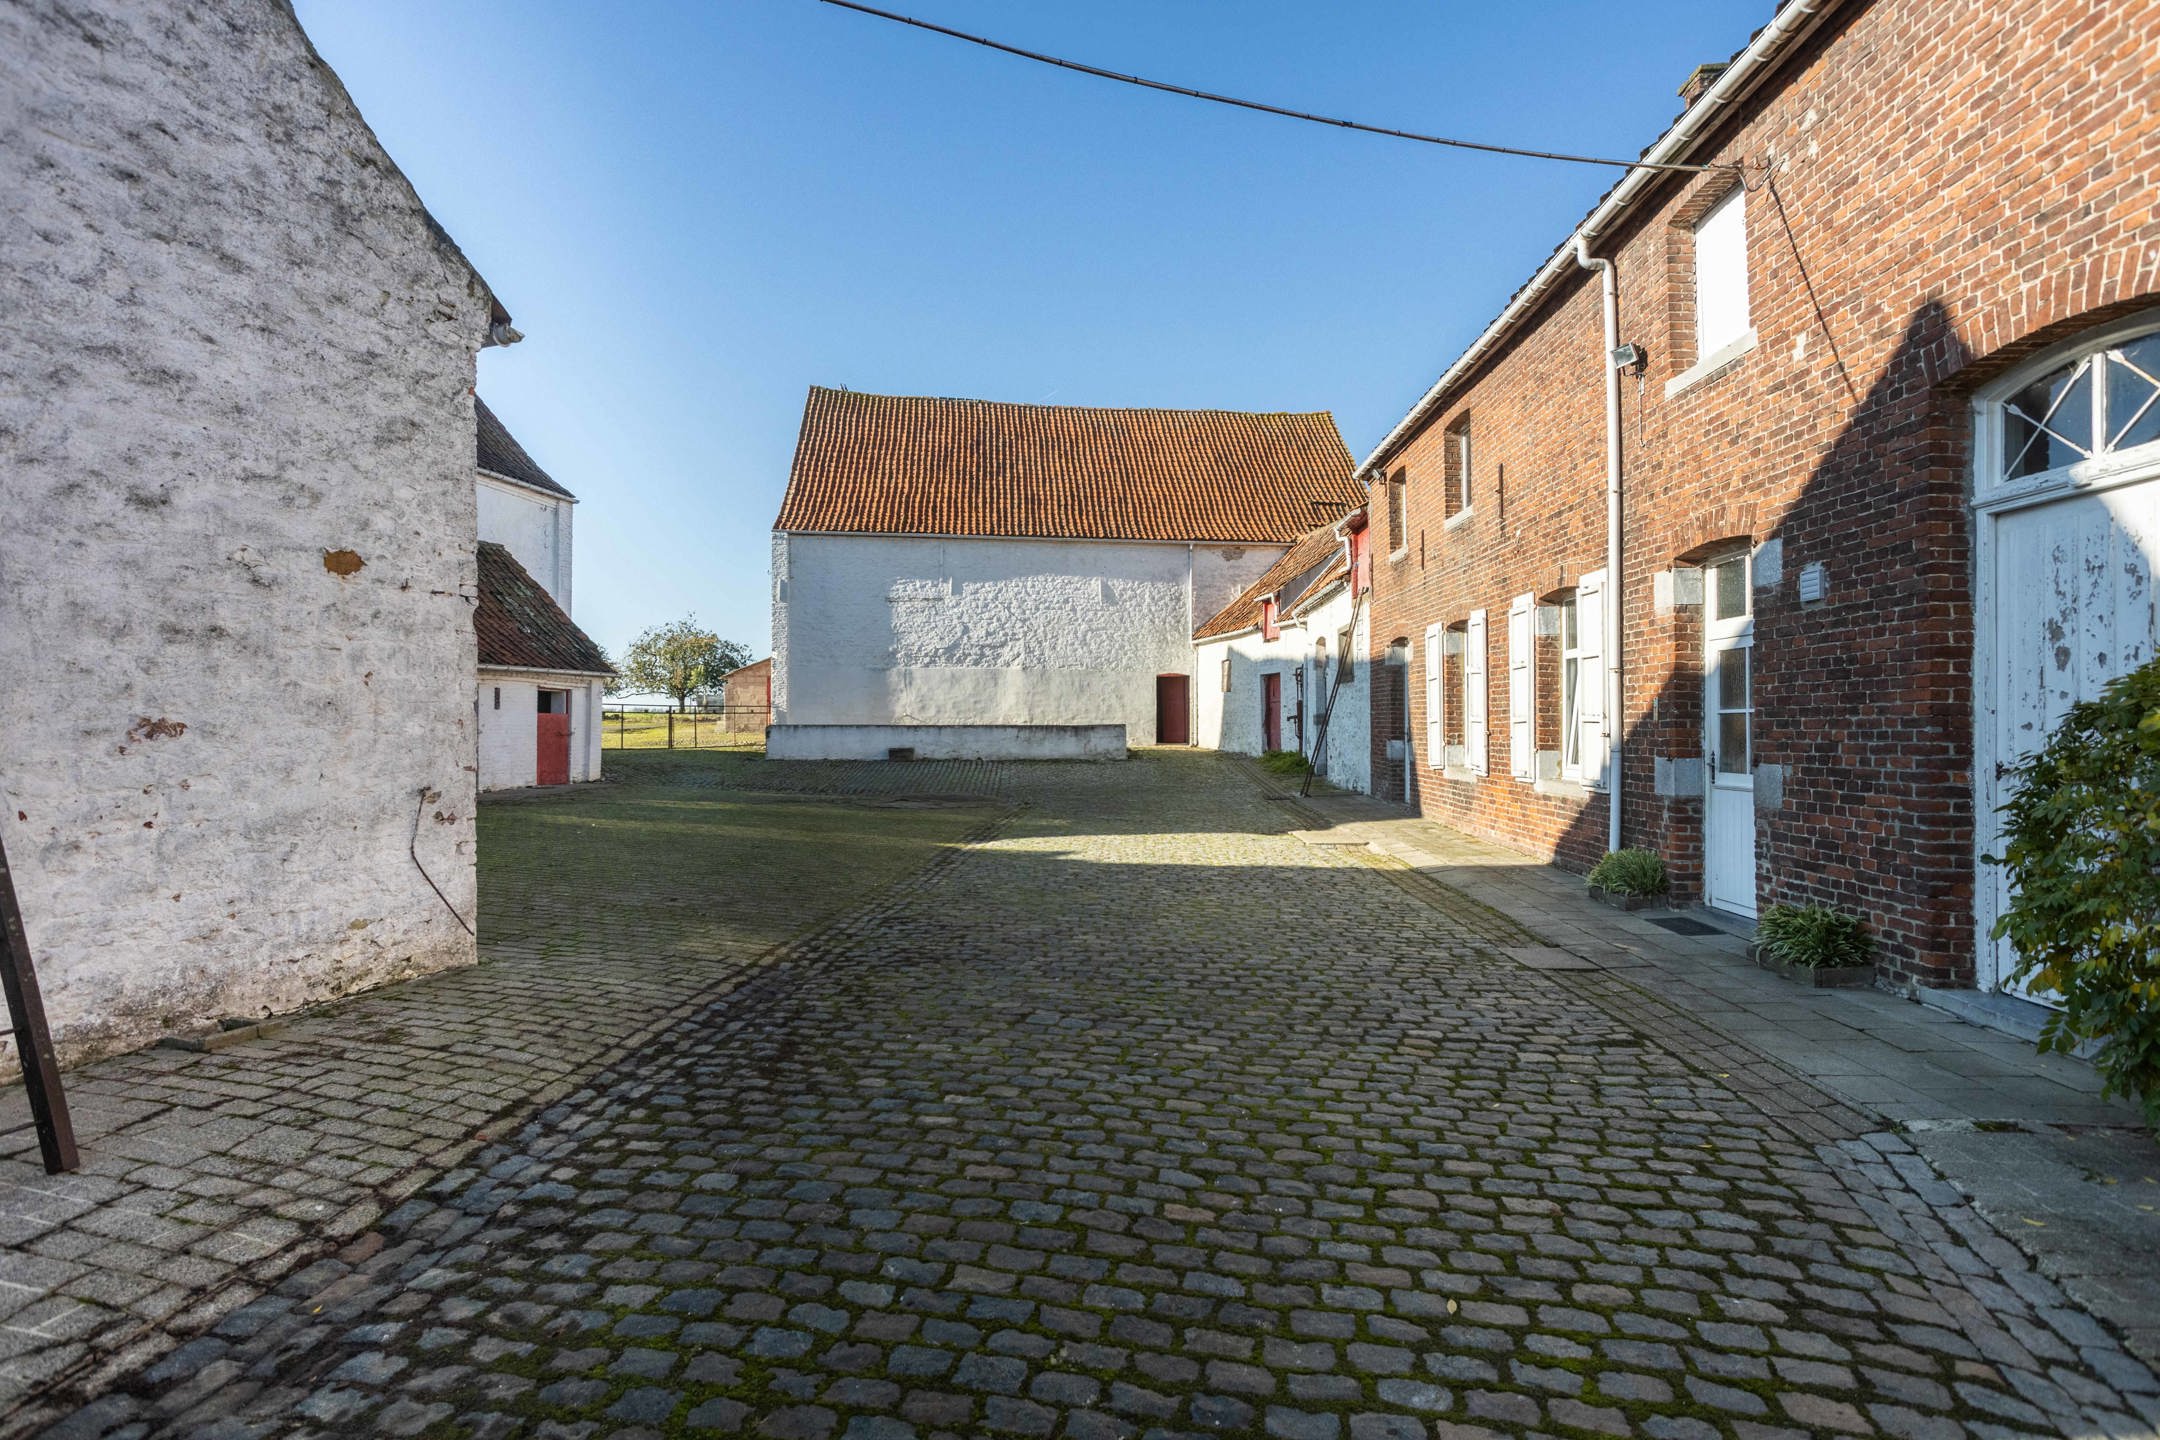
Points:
point(1624, 902)
point(1824, 977)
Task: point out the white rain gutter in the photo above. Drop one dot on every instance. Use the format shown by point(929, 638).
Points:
point(1792, 24)
point(1609, 277)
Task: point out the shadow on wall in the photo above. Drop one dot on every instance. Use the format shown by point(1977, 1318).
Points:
point(1862, 695)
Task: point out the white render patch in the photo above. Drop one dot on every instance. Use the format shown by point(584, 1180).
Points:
point(237, 564)
point(878, 630)
point(533, 526)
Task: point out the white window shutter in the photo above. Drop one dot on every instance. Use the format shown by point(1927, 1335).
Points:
point(1477, 694)
point(1522, 687)
point(1590, 706)
point(1434, 715)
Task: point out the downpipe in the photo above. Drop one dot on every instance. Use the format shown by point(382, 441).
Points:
point(1614, 671)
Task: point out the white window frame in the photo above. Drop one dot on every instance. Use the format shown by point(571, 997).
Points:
point(1594, 681)
point(1719, 626)
point(1990, 421)
point(1571, 653)
point(1398, 513)
point(1720, 241)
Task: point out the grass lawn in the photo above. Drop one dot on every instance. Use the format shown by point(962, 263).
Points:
point(668, 857)
point(694, 730)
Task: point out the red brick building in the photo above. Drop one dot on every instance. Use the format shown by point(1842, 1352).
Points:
point(1888, 462)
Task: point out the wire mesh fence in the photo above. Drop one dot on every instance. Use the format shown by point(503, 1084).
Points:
point(718, 727)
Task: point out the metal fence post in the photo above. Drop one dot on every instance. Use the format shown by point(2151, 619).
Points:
point(671, 729)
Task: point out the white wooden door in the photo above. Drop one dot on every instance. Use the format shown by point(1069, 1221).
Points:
point(1729, 736)
point(2068, 601)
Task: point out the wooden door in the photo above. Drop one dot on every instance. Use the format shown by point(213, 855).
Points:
point(1271, 712)
point(2068, 595)
point(1172, 722)
point(552, 758)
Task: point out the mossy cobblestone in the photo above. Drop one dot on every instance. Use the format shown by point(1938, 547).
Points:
point(1140, 1117)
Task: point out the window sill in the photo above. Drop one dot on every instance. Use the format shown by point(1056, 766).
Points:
point(1396, 557)
point(1717, 360)
point(1458, 519)
point(1565, 789)
point(1462, 773)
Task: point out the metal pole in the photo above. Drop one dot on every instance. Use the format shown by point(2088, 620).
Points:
point(671, 729)
point(33, 1039)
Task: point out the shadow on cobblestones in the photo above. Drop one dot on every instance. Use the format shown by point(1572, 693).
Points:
point(606, 913)
point(1140, 1117)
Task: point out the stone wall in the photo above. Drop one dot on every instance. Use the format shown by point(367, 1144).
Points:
point(236, 573)
point(898, 630)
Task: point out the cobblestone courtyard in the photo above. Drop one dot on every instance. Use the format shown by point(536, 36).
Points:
point(1136, 1115)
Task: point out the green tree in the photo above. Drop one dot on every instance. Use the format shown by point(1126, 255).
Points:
point(2084, 850)
point(679, 660)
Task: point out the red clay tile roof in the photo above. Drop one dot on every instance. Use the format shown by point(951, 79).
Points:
point(500, 454)
point(519, 625)
point(905, 465)
point(1304, 567)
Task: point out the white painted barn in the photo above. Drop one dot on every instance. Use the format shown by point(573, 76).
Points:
point(1285, 666)
point(542, 679)
point(976, 578)
point(236, 559)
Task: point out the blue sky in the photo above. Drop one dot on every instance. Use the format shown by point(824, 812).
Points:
point(696, 211)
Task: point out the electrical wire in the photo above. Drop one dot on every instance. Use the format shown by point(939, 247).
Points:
point(1262, 106)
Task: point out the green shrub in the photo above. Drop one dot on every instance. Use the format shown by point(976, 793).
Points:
point(1285, 762)
point(1815, 936)
point(2083, 852)
point(1630, 872)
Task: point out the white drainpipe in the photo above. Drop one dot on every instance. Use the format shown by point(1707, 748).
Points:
point(1614, 670)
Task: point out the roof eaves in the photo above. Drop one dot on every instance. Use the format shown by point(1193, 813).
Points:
point(1792, 24)
point(558, 493)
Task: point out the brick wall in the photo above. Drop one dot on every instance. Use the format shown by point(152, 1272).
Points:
point(1965, 181)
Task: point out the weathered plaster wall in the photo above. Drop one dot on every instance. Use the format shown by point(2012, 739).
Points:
point(882, 630)
point(534, 528)
point(946, 742)
point(236, 571)
point(510, 731)
point(1231, 720)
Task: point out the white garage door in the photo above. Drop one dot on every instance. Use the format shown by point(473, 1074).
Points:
point(2068, 507)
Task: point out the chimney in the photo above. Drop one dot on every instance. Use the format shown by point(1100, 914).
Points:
point(1702, 79)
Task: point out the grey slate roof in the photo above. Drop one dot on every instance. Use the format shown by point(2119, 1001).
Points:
point(501, 454)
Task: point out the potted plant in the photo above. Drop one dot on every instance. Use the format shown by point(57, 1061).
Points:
point(1815, 945)
point(1628, 879)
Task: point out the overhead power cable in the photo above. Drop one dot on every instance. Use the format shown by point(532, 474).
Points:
point(1262, 106)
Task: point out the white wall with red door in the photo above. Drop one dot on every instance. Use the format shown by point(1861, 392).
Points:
point(538, 728)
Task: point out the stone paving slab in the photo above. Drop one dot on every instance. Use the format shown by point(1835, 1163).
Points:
point(207, 1177)
point(2074, 1178)
point(1140, 1117)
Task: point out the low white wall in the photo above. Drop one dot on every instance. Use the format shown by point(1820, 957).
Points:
point(946, 742)
point(899, 630)
point(509, 733)
point(1231, 719)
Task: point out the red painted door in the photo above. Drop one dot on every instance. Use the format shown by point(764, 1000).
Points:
point(554, 757)
point(1172, 724)
point(1271, 712)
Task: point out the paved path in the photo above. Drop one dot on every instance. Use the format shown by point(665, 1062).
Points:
point(1142, 1116)
point(2027, 1136)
